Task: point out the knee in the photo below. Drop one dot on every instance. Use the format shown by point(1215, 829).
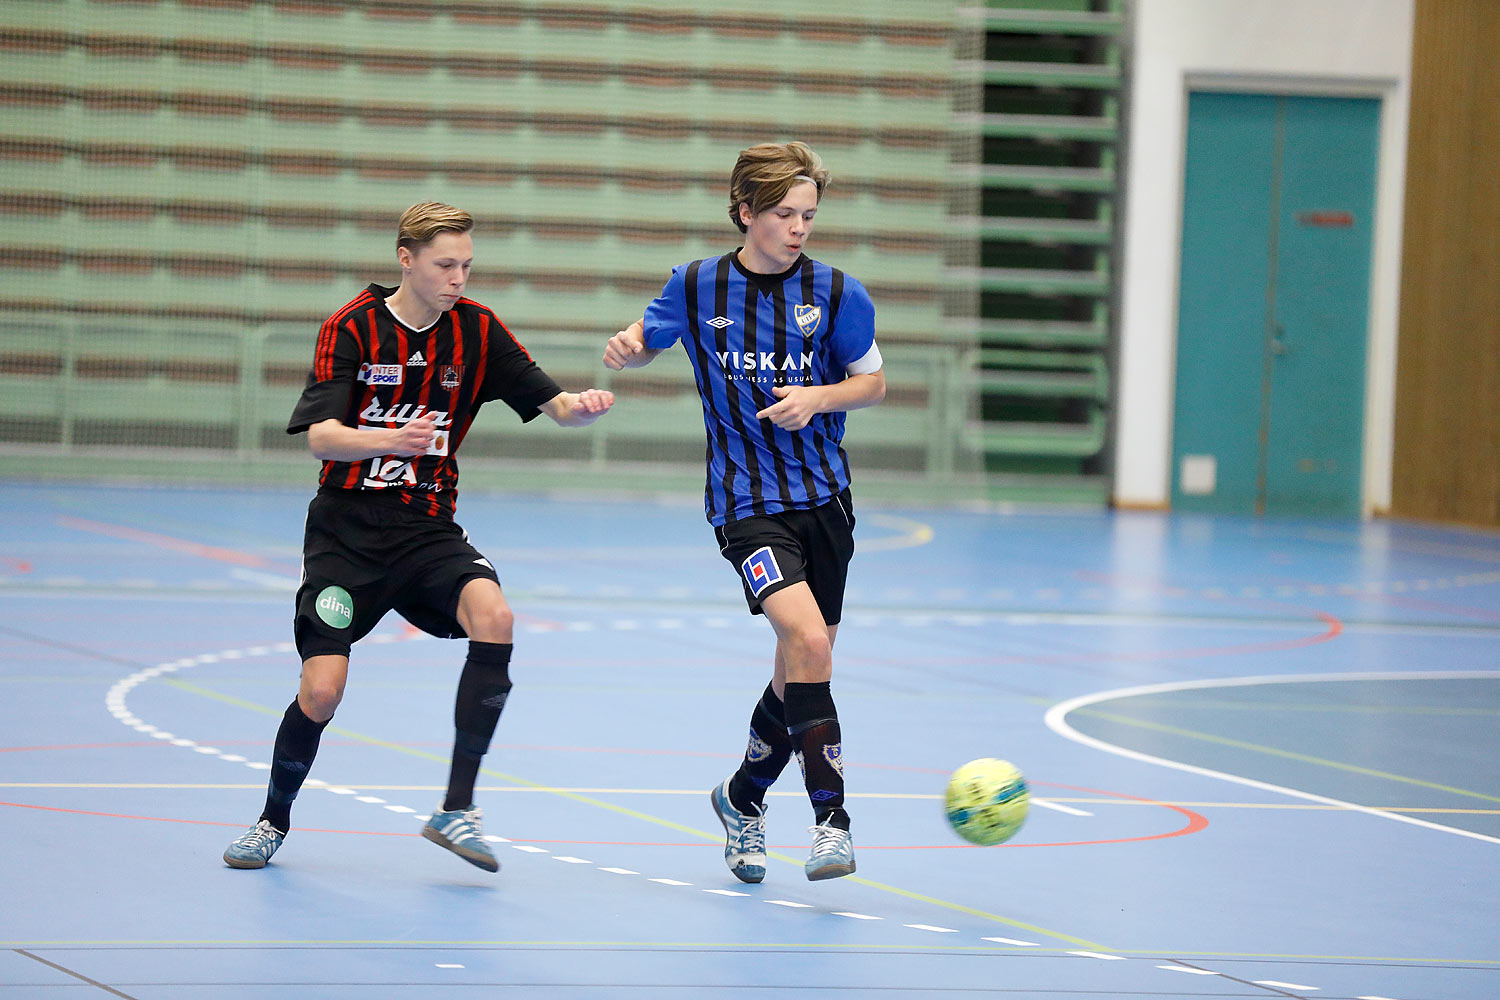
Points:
point(320, 699)
point(494, 623)
point(809, 655)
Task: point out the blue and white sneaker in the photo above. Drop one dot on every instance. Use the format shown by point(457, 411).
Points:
point(744, 836)
point(458, 831)
point(832, 853)
point(254, 847)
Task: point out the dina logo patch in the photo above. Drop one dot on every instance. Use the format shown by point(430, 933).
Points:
point(761, 570)
point(335, 607)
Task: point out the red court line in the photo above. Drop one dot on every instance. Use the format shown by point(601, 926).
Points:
point(166, 542)
point(1195, 822)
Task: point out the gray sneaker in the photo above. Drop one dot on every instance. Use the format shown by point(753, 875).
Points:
point(458, 831)
point(832, 853)
point(254, 847)
point(744, 836)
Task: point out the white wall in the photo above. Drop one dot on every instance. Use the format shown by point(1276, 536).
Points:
point(1334, 47)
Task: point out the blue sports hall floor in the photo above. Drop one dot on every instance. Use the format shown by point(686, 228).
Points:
point(1262, 754)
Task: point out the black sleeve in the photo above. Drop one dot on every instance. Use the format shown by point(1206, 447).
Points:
point(320, 401)
point(512, 376)
point(330, 382)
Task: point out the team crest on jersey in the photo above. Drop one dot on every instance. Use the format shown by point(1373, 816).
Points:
point(808, 317)
point(451, 374)
point(380, 374)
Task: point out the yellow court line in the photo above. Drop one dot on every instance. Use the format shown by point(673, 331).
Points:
point(1287, 754)
point(648, 818)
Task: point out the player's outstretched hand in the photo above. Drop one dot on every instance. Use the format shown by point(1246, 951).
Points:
point(593, 402)
point(797, 405)
point(626, 348)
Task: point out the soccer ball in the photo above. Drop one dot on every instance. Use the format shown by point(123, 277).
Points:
point(987, 801)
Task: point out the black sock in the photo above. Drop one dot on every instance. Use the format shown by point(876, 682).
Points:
point(291, 759)
point(767, 752)
point(812, 722)
point(483, 688)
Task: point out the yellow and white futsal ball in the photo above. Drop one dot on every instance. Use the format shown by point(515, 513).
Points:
point(987, 801)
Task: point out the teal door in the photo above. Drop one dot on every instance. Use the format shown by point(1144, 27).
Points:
point(1278, 219)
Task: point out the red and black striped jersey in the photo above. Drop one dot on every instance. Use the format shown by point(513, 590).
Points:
point(370, 370)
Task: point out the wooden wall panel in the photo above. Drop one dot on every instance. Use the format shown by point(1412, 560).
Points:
point(1447, 435)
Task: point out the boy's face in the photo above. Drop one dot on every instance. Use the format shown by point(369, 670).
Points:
point(775, 237)
point(436, 273)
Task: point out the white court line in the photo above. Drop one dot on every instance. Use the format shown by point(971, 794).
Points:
point(1056, 719)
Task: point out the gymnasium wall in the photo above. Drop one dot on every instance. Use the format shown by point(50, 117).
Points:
point(1448, 384)
point(191, 186)
point(1332, 47)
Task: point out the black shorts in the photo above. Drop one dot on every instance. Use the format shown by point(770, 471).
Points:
point(363, 556)
point(774, 551)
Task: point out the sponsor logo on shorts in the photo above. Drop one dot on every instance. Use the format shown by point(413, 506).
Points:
point(335, 607)
point(761, 570)
point(380, 374)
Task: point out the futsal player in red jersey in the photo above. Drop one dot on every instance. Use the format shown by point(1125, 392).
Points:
point(397, 379)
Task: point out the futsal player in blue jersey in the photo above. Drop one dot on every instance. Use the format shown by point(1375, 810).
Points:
point(781, 346)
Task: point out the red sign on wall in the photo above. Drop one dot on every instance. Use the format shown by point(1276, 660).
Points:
point(1326, 220)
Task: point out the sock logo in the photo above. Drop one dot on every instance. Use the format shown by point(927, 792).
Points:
point(336, 607)
point(758, 749)
point(834, 754)
point(496, 701)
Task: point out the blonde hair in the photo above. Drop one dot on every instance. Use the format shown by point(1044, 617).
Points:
point(764, 174)
point(422, 223)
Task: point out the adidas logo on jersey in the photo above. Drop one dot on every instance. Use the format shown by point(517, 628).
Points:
point(416, 360)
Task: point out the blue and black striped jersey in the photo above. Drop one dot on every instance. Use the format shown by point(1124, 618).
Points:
point(744, 334)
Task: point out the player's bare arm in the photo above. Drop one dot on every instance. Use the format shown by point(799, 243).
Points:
point(797, 404)
point(333, 441)
point(627, 349)
point(578, 409)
